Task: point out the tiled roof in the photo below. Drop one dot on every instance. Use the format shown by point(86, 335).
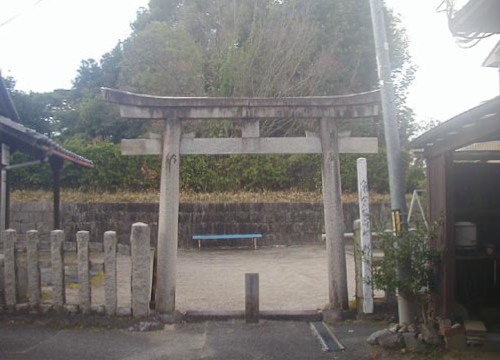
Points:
point(14, 133)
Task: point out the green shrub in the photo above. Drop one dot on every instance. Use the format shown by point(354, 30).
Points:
point(203, 173)
point(412, 254)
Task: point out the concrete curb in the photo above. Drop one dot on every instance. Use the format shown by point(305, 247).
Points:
point(195, 316)
point(292, 315)
point(192, 316)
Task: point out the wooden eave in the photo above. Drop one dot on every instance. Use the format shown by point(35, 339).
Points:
point(481, 123)
point(476, 17)
point(21, 138)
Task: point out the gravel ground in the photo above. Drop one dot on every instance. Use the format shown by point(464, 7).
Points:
point(291, 278)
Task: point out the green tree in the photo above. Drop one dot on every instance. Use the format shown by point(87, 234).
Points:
point(110, 66)
point(230, 48)
point(45, 113)
point(266, 48)
point(93, 117)
point(88, 78)
point(161, 60)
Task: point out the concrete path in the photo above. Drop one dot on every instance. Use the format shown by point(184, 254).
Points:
point(211, 340)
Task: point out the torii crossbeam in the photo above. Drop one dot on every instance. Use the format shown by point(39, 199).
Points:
point(174, 110)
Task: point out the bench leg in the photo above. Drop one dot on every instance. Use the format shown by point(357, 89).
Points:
point(255, 243)
point(199, 245)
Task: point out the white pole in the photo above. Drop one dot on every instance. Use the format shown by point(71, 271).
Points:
point(365, 234)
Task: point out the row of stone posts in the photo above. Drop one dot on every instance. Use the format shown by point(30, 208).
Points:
point(141, 277)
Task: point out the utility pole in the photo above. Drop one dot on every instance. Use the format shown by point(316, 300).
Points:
point(393, 146)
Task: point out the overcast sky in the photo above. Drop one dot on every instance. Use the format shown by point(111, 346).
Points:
point(43, 46)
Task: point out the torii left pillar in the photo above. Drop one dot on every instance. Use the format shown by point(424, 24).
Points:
point(168, 218)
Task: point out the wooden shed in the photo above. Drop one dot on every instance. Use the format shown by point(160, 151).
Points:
point(463, 172)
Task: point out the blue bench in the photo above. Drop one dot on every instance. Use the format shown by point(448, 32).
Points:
point(227, 237)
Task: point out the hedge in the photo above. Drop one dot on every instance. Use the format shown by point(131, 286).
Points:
point(203, 173)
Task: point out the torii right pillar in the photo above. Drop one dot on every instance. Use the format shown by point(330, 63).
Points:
point(334, 223)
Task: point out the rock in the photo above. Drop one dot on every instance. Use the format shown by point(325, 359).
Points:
point(430, 335)
point(393, 328)
point(412, 328)
point(373, 339)
point(152, 325)
point(392, 342)
point(412, 343)
point(403, 328)
point(144, 326)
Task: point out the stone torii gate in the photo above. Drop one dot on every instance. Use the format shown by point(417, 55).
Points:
point(175, 110)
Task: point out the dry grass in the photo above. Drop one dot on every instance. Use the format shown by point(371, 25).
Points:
point(78, 196)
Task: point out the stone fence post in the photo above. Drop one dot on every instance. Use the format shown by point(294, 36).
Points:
point(34, 281)
point(139, 241)
point(110, 280)
point(9, 247)
point(82, 241)
point(57, 259)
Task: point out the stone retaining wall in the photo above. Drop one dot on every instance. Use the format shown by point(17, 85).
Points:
point(281, 223)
